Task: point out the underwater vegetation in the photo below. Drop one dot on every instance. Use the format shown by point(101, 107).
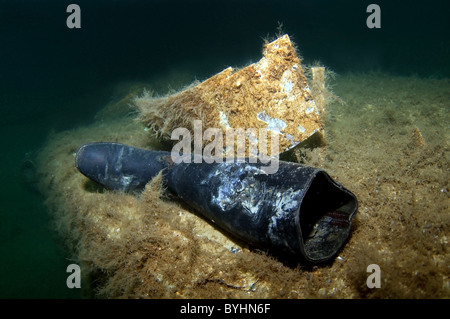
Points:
point(388, 142)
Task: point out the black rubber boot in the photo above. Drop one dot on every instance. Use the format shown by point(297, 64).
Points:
point(299, 212)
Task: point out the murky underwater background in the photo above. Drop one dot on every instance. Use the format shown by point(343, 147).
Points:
point(53, 78)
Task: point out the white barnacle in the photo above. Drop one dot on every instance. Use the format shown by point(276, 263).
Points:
point(301, 129)
point(273, 124)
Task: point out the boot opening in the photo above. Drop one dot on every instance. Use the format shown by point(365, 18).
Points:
point(325, 217)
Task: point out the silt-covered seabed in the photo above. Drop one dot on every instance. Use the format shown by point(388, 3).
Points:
point(387, 141)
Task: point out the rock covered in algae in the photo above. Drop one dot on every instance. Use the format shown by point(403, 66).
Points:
point(273, 94)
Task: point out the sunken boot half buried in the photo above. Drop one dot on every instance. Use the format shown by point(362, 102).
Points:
point(297, 213)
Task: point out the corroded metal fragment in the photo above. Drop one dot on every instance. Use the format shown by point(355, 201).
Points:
point(273, 94)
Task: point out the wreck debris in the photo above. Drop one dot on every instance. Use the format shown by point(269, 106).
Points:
point(272, 93)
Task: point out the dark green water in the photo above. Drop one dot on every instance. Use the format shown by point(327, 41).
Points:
point(54, 78)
